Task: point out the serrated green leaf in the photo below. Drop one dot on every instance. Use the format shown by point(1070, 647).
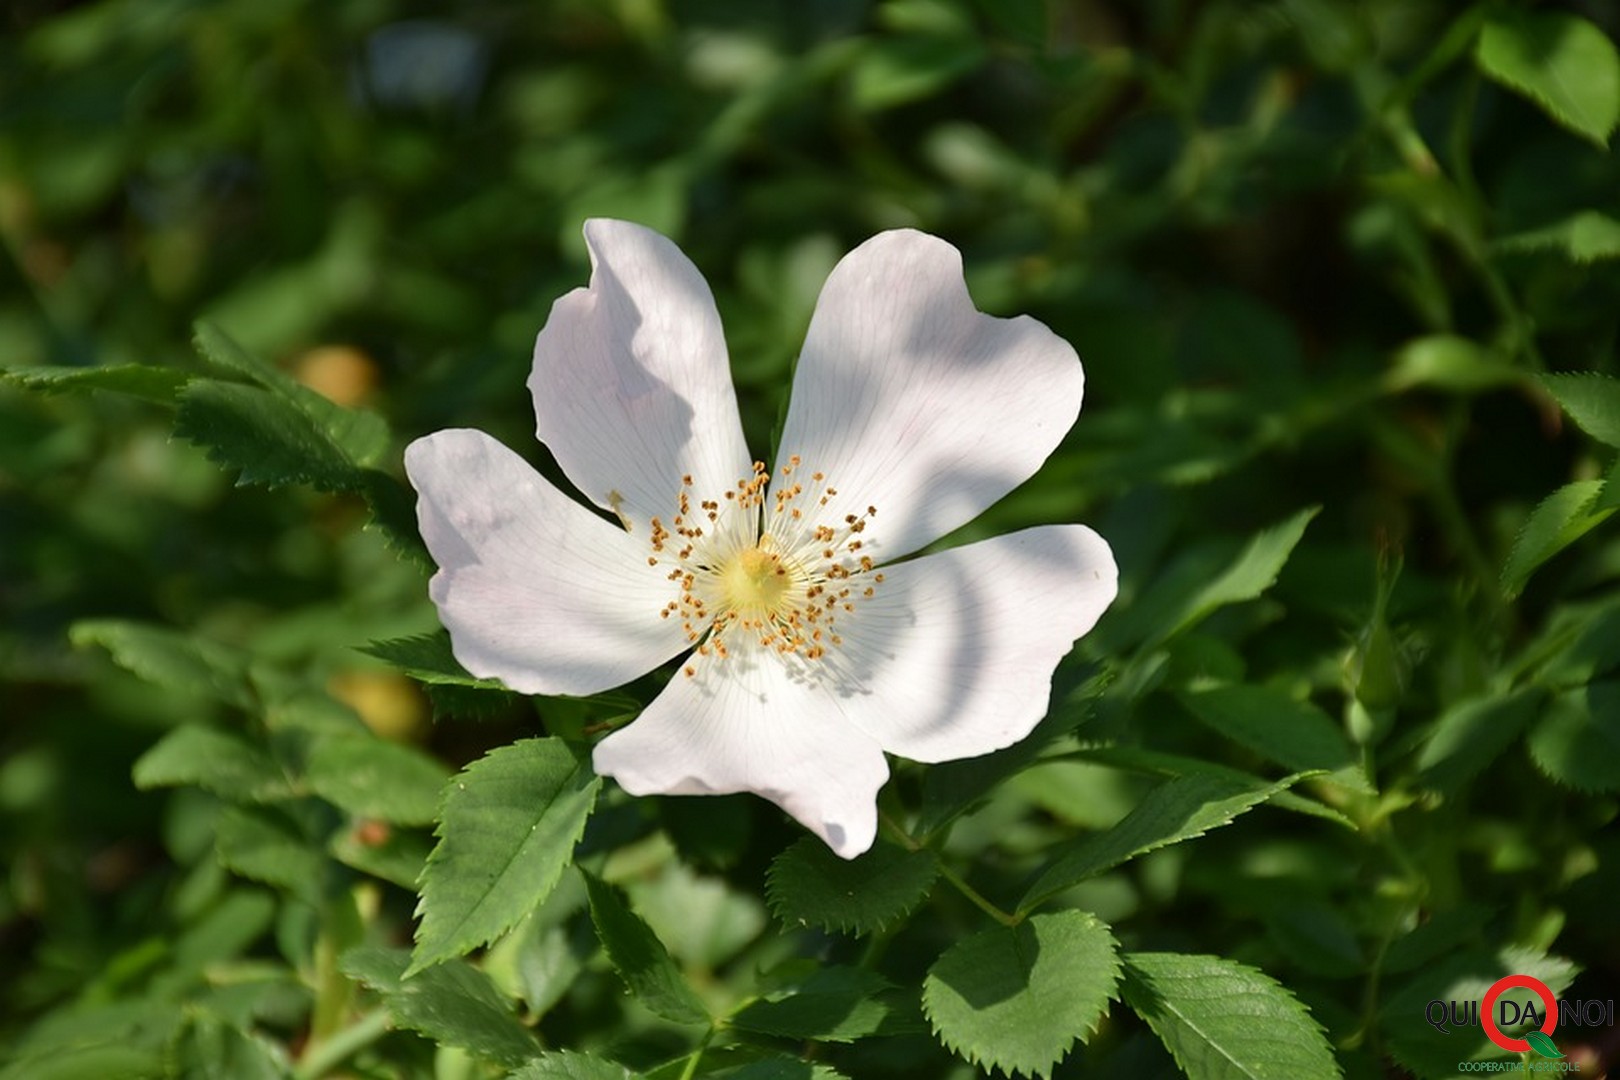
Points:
point(360, 437)
point(264, 845)
point(1460, 976)
point(262, 435)
point(1292, 733)
point(1557, 522)
point(169, 658)
point(1222, 1020)
point(833, 1004)
point(1471, 734)
point(1251, 573)
point(509, 827)
point(1561, 62)
point(148, 381)
point(453, 1003)
point(427, 658)
point(1159, 763)
point(811, 886)
point(372, 777)
point(1542, 1044)
point(570, 1065)
point(217, 761)
point(1592, 401)
point(1577, 742)
point(1016, 998)
point(208, 1048)
point(1586, 237)
point(1180, 809)
point(640, 958)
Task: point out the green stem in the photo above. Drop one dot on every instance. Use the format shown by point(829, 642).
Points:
point(976, 898)
point(322, 1057)
point(696, 1056)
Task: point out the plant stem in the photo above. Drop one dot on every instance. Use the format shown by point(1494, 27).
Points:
point(322, 1057)
point(976, 898)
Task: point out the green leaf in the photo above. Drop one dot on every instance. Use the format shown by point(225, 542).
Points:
point(1592, 400)
point(396, 855)
point(1577, 742)
point(640, 958)
point(1542, 1044)
point(169, 658)
point(1253, 572)
point(1180, 809)
point(427, 658)
point(217, 761)
point(1295, 734)
point(1222, 1020)
point(1585, 237)
point(360, 437)
point(832, 1004)
point(1448, 362)
point(570, 1065)
point(1159, 763)
point(209, 1047)
point(509, 827)
point(811, 886)
point(1561, 519)
point(1016, 998)
point(897, 70)
point(148, 381)
point(453, 1003)
point(264, 436)
point(372, 777)
point(1561, 62)
point(780, 1067)
point(264, 845)
point(1470, 735)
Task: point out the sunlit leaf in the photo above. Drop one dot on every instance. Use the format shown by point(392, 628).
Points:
point(453, 1003)
point(1016, 998)
point(1561, 62)
point(1222, 1020)
point(509, 826)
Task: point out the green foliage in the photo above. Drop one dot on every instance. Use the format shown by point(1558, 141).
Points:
point(1361, 259)
point(1562, 62)
point(1177, 810)
point(451, 1002)
point(1222, 1020)
point(1016, 998)
point(640, 958)
point(811, 886)
point(507, 828)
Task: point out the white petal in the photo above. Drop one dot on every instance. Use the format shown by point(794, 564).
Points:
point(953, 655)
point(632, 388)
point(535, 589)
point(744, 723)
point(909, 399)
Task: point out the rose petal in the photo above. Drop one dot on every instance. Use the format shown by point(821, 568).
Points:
point(909, 399)
point(953, 655)
point(632, 387)
point(535, 589)
point(745, 723)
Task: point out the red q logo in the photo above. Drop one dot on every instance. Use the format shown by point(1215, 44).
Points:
point(1487, 1009)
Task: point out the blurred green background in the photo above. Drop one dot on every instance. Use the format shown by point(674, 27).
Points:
point(1311, 253)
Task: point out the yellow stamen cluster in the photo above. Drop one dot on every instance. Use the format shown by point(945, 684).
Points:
point(742, 567)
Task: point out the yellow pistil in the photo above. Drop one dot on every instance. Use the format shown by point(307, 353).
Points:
point(762, 567)
point(754, 583)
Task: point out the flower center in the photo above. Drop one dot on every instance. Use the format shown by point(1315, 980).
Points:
point(767, 573)
point(754, 582)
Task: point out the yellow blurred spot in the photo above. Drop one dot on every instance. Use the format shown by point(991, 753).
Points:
point(390, 704)
point(341, 373)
